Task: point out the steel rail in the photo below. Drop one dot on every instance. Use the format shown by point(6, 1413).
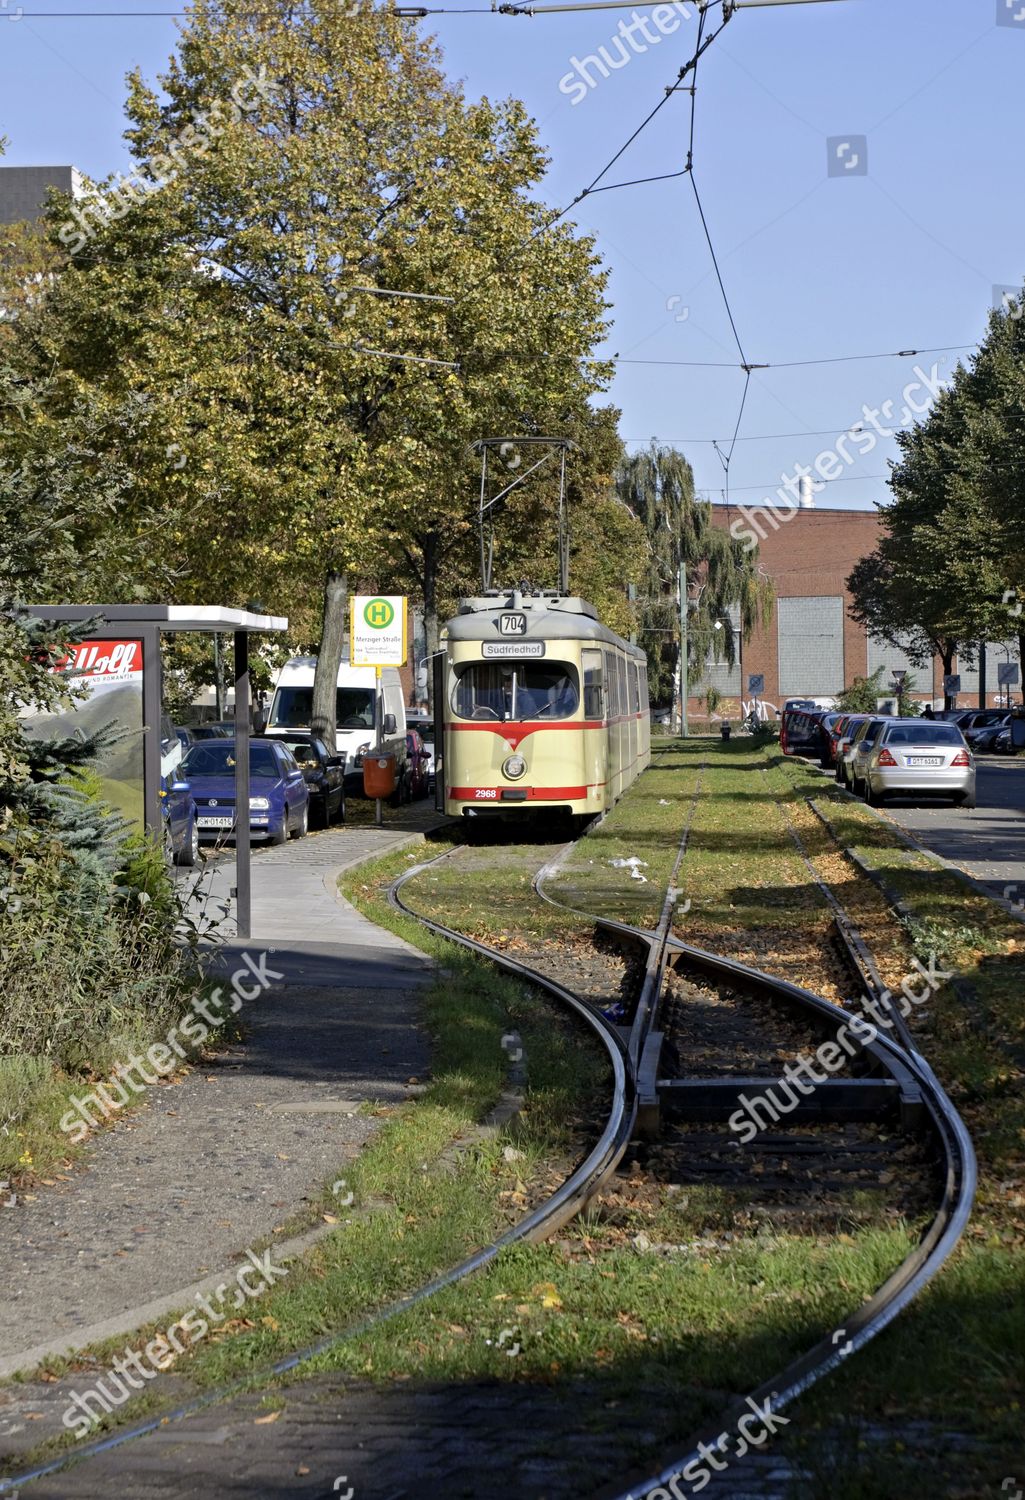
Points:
point(959, 1178)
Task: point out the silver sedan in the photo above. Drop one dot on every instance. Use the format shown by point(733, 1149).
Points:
point(909, 757)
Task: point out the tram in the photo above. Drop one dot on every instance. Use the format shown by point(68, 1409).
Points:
point(543, 707)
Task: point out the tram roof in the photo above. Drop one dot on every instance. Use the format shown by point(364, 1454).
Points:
point(548, 616)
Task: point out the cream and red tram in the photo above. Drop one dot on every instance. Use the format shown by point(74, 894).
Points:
point(543, 707)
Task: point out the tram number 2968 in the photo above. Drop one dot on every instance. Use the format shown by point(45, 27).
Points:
point(486, 794)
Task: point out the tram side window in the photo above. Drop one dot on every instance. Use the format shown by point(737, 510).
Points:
point(624, 692)
point(612, 678)
point(594, 680)
point(635, 683)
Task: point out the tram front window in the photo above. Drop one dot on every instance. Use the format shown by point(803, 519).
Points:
point(516, 690)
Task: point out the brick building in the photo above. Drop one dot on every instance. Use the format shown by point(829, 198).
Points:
point(812, 646)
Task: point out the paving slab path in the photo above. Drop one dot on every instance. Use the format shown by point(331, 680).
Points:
point(171, 1196)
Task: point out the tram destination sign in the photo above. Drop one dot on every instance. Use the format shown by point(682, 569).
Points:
point(511, 650)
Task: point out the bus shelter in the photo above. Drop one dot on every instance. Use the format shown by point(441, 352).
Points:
point(120, 658)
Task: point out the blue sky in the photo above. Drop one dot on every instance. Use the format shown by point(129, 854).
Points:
point(815, 267)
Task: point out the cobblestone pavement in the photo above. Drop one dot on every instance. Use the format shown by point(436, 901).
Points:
point(334, 1437)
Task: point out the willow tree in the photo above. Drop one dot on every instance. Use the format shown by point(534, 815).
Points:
point(721, 574)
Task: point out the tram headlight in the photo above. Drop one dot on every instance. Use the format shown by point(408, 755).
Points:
point(513, 767)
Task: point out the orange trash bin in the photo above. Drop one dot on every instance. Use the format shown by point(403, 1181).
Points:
point(378, 774)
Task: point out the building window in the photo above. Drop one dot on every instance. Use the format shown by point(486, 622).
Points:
point(810, 634)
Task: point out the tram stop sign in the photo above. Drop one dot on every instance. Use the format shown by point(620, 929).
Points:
point(756, 684)
point(952, 684)
point(377, 630)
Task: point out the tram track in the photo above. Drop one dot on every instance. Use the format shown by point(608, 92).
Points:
point(892, 1077)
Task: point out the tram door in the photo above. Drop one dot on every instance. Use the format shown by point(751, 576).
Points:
point(596, 741)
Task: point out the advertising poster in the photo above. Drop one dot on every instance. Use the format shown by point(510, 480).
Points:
point(110, 672)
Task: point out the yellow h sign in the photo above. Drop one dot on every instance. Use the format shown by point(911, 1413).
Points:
point(377, 630)
point(379, 614)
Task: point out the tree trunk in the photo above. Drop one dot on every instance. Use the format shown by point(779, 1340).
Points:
point(329, 658)
point(947, 651)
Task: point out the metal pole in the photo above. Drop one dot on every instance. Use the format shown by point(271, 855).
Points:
point(218, 679)
point(153, 817)
point(379, 716)
point(243, 869)
point(440, 709)
point(684, 685)
point(982, 674)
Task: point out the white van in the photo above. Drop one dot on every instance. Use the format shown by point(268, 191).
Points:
point(355, 732)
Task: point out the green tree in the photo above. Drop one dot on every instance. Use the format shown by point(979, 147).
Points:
point(279, 417)
point(658, 487)
point(935, 582)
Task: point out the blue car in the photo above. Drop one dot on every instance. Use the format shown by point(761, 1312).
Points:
point(181, 827)
point(279, 799)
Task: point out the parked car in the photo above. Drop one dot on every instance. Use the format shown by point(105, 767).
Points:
point(419, 760)
point(279, 800)
point(911, 757)
point(323, 773)
point(186, 737)
point(212, 731)
point(426, 731)
point(801, 732)
point(981, 718)
point(982, 736)
point(1002, 742)
point(181, 824)
point(843, 735)
point(866, 730)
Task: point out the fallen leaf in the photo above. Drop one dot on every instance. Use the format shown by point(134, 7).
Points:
point(330, 1218)
point(272, 1416)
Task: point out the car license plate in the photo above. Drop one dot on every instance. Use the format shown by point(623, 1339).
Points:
point(925, 760)
point(205, 821)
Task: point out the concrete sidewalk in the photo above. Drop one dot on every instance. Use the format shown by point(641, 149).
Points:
point(174, 1193)
point(294, 884)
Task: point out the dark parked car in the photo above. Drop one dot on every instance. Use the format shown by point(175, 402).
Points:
point(805, 731)
point(419, 763)
point(279, 800)
point(212, 731)
point(181, 826)
point(981, 729)
point(323, 773)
